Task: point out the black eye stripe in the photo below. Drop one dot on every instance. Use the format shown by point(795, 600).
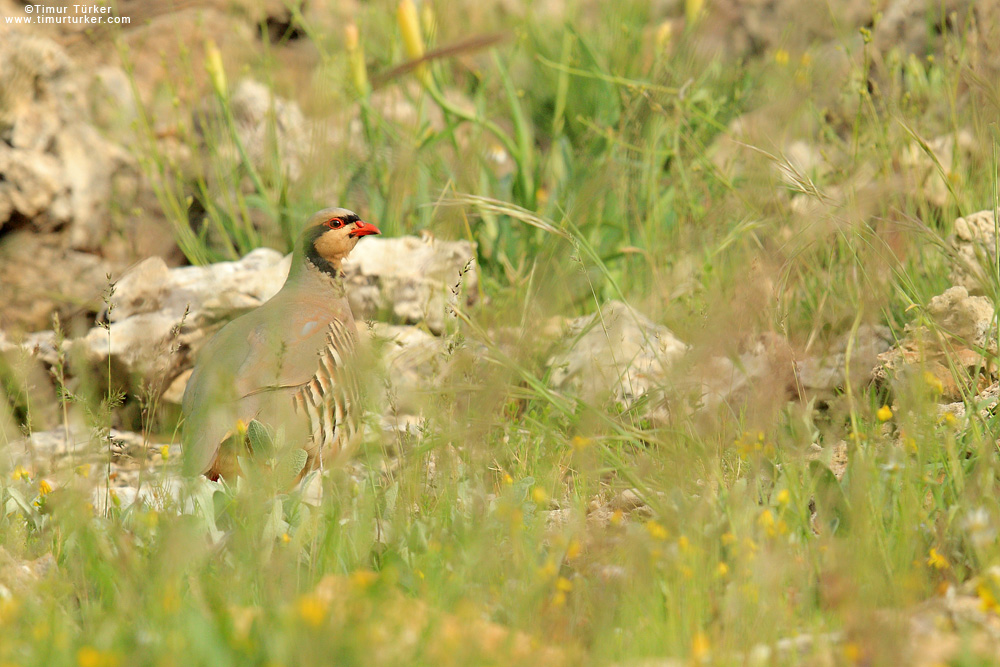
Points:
point(341, 221)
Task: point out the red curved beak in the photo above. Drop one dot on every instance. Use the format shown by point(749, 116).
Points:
point(362, 228)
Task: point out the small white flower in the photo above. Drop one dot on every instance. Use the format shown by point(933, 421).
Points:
point(977, 523)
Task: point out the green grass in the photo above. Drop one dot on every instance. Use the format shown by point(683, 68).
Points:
point(440, 550)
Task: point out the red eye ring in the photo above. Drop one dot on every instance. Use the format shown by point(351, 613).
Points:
point(334, 223)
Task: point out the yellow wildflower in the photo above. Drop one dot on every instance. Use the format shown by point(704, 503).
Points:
point(164, 452)
point(539, 495)
point(656, 531)
point(937, 561)
point(88, 656)
point(579, 442)
point(171, 600)
point(784, 497)
point(574, 549)
point(683, 542)
point(541, 195)
point(934, 382)
point(722, 569)
point(9, 607)
point(363, 579)
point(884, 413)
point(727, 539)
point(44, 487)
point(700, 647)
point(781, 57)
point(286, 538)
point(20, 473)
point(548, 570)
point(513, 515)
point(312, 610)
point(987, 600)
point(563, 584)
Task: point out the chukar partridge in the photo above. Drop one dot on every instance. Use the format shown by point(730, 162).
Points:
point(286, 364)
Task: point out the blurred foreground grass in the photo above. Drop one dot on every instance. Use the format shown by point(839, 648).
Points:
point(584, 159)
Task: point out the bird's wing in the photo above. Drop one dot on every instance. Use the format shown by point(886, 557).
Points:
point(210, 402)
point(282, 356)
point(250, 370)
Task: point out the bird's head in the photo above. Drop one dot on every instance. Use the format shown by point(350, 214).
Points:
point(331, 234)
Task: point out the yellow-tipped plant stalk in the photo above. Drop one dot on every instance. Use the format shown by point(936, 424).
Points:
point(429, 21)
point(356, 60)
point(413, 39)
point(693, 10)
point(520, 148)
point(214, 67)
point(217, 76)
point(664, 35)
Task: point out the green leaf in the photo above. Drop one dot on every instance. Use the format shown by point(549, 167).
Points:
point(260, 441)
point(30, 512)
point(290, 465)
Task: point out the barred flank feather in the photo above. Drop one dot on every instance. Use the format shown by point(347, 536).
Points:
point(330, 397)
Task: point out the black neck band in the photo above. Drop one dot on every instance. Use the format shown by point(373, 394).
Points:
point(312, 255)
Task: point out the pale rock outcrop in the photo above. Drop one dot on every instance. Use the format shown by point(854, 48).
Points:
point(950, 351)
point(56, 170)
point(972, 245)
point(615, 353)
point(158, 317)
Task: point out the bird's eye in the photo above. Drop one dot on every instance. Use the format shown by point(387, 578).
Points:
point(335, 223)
